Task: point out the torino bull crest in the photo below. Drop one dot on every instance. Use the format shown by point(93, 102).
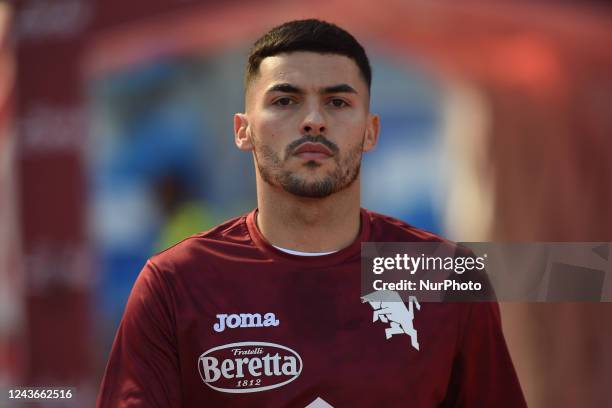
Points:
point(393, 310)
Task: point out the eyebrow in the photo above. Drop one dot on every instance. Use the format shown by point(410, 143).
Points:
point(288, 88)
point(341, 88)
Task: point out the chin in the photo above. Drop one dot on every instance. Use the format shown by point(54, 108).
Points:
point(311, 193)
point(313, 164)
point(309, 187)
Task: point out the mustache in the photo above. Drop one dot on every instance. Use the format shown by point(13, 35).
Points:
point(311, 139)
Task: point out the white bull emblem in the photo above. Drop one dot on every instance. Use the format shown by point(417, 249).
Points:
point(393, 311)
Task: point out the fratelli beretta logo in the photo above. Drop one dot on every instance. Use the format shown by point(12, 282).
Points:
point(249, 367)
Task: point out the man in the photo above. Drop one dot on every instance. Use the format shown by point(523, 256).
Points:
point(265, 309)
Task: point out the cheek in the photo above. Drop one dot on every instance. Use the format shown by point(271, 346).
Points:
point(351, 118)
point(273, 130)
point(350, 131)
point(264, 128)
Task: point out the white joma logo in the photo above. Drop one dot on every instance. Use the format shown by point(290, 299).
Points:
point(393, 311)
point(233, 321)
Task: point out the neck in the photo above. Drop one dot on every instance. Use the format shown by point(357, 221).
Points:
point(308, 224)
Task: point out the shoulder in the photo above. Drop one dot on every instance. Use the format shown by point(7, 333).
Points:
point(385, 228)
point(232, 236)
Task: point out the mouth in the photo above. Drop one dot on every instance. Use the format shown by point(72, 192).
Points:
point(312, 151)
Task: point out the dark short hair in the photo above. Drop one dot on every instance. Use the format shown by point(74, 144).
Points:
point(307, 35)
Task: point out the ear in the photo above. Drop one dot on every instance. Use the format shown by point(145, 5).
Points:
point(241, 132)
point(371, 133)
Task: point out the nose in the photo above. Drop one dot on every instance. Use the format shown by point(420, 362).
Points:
point(314, 121)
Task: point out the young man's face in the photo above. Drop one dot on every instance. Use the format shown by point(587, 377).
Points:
point(307, 122)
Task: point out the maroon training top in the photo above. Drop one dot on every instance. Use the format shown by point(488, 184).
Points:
point(225, 319)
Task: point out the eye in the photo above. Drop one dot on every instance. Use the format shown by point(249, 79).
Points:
point(338, 103)
point(284, 101)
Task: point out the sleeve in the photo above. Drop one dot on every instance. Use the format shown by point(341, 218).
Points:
point(143, 367)
point(483, 374)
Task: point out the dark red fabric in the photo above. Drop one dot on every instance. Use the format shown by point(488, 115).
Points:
point(346, 360)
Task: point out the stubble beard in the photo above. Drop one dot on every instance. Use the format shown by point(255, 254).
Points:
point(344, 174)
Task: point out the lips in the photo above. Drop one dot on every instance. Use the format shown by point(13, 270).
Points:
point(313, 151)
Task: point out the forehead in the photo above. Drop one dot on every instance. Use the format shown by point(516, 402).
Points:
point(309, 70)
